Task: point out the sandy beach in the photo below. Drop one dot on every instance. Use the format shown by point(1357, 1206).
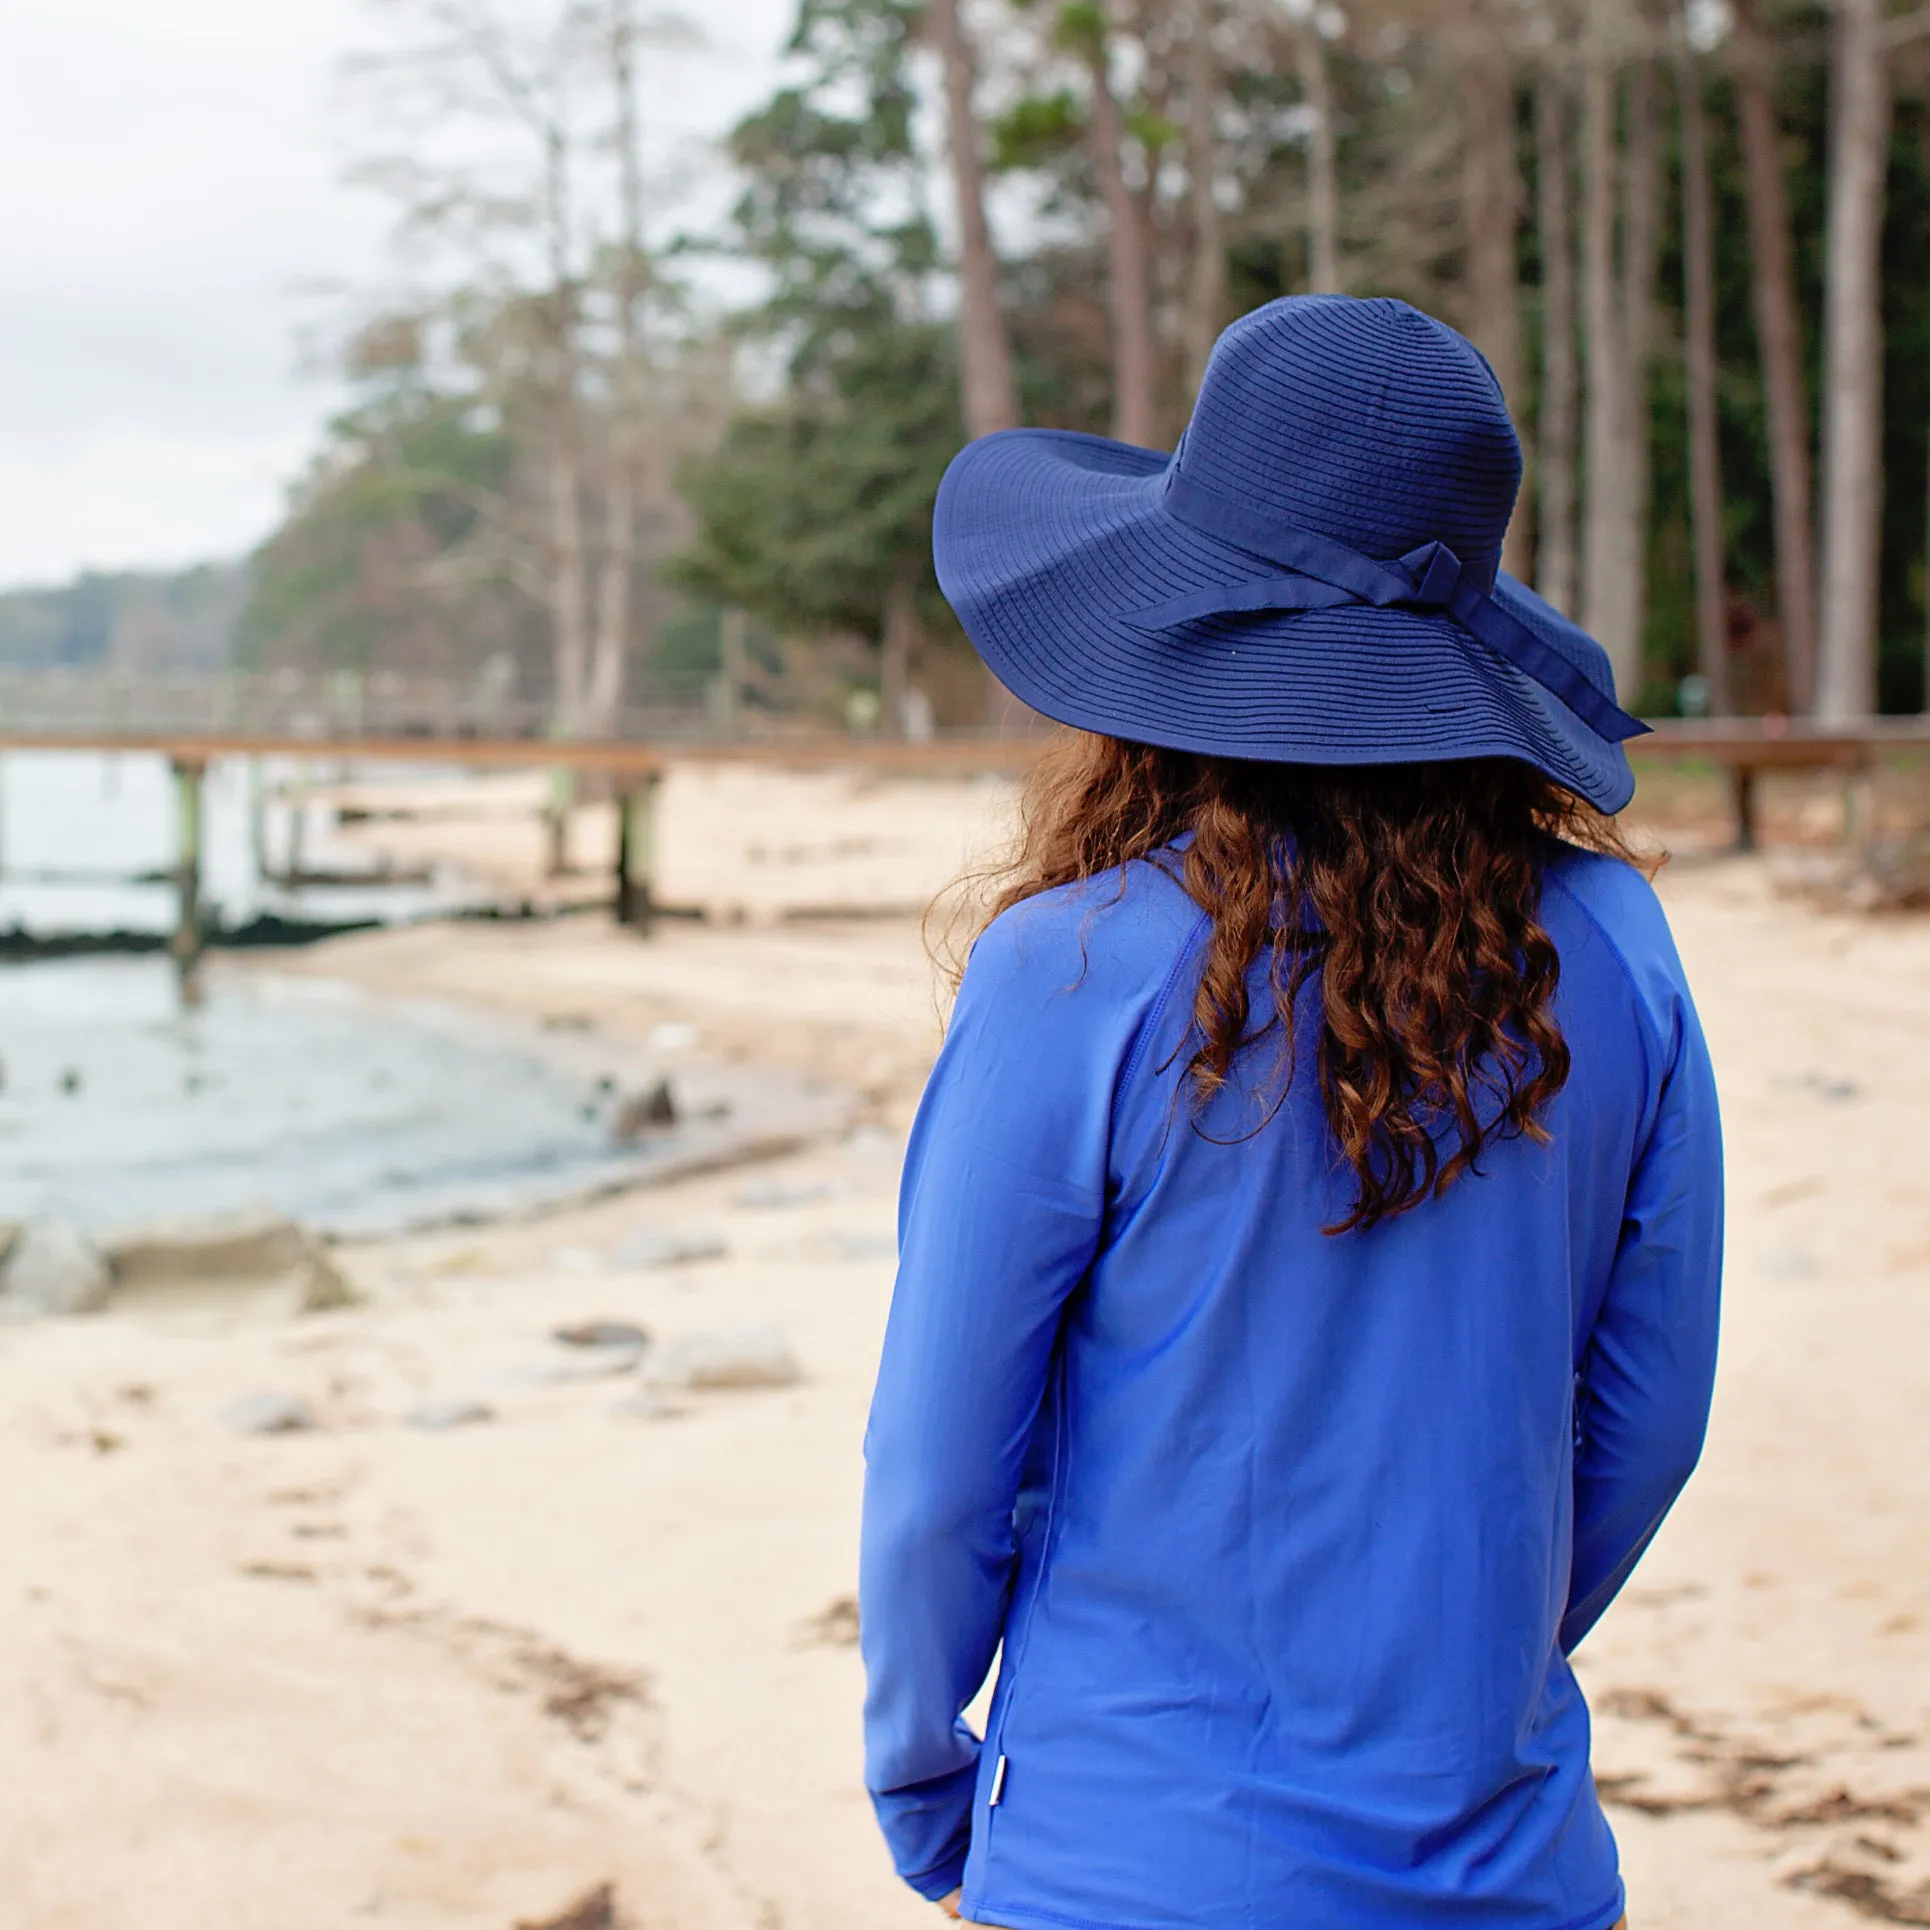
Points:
point(460, 1678)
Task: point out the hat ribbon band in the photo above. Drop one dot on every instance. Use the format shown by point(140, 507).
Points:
point(1325, 575)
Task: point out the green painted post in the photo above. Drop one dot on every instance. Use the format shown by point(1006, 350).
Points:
point(188, 942)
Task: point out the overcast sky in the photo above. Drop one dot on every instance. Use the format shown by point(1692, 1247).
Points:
point(172, 220)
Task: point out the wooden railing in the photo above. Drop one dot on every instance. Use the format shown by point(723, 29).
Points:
point(1744, 748)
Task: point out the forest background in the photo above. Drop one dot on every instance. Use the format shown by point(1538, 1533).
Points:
point(615, 460)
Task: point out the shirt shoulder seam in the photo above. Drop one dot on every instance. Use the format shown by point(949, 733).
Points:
point(1651, 1032)
point(1157, 1011)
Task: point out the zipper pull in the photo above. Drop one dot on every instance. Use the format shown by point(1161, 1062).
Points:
point(998, 1784)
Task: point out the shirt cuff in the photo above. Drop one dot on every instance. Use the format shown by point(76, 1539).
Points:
point(929, 1829)
point(934, 1885)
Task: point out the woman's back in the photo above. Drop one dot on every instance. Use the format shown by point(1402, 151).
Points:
point(1301, 1528)
point(1310, 1234)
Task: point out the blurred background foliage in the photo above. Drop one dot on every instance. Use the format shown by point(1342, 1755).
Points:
point(566, 472)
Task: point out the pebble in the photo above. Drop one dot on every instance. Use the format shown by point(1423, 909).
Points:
point(270, 1414)
point(594, 1910)
point(438, 1416)
point(652, 1110)
point(602, 1333)
point(580, 1363)
point(872, 1142)
point(659, 1246)
point(763, 1193)
point(1820, 1085)
point(647, 1405)
point(755, 1354)
point(848, 1244)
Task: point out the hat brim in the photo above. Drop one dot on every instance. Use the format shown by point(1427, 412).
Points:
point(1047, 542)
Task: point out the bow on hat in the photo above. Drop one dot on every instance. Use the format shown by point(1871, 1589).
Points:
point(1323, 574)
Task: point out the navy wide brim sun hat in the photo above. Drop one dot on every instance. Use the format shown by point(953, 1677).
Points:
point(1311, 577)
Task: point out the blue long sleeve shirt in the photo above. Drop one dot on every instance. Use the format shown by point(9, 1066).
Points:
point(1280, 1539)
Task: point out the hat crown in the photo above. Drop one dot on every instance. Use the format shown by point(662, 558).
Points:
point(1365, 422)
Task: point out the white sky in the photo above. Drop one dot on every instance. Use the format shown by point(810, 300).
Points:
point(172, 220)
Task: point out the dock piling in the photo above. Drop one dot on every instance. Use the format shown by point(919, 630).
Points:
point(556, 821)
point(258, 820)
point(1742, 792)
point(636, 866)
point(189, 938)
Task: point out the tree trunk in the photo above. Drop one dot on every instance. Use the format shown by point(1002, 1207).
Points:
point(1135, 417)
point(1555, 425)
point(1780, 344)
point(1699, 356)
point(1490, 210)
point(988, 374)
point(1641, 211)
point(988, 379)
point(1323, 193)
point(1206, 287)
point(616, 586)
point(1859, 119)
point(1606, 605)
point(1616, 314)
point(569, 615)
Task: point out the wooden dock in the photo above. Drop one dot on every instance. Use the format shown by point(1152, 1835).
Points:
point(634, 767)
point(1743, 748)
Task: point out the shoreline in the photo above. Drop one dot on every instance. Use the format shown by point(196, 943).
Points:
point(361, 1111)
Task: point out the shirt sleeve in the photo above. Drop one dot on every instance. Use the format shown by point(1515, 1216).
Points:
point(1000, 1216)
point(1649, 1368)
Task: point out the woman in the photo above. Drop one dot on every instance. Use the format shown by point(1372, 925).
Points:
point(1310, 1234)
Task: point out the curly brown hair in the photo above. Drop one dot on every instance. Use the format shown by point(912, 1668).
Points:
point(1412, 890)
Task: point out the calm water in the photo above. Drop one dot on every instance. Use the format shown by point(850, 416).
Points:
point(350, 1115)
point(78, 827)
point(353, 1116)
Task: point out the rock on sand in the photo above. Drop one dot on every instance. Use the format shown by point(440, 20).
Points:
point(50, 1267)
point(252, 1246)
point(661, 1246)
point(439, 1416)
point(270, 1414)
point(755, 1354)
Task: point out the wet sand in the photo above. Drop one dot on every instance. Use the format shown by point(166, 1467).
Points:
point(375, 1673)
